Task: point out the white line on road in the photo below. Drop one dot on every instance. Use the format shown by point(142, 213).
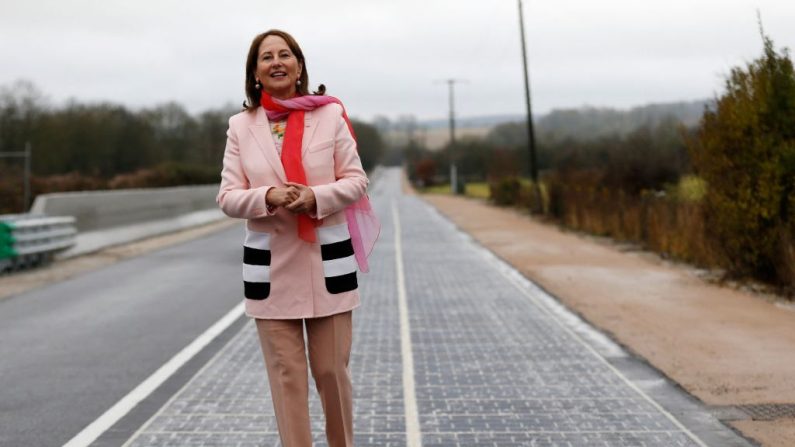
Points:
point(413, 435)
point(128, 402)
point(529, 289)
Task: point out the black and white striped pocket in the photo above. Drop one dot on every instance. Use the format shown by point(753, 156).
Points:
point(256, 265)
point(339, 262)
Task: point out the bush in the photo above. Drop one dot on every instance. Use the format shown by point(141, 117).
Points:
point(425, 171)
point(166, 174)
point(745, 150)
point(505, 191)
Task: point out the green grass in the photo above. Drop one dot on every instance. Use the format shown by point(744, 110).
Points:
point(438, 189)
point(478, 190)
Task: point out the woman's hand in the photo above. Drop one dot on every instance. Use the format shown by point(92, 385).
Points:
point(305, 203)
point(281, 196)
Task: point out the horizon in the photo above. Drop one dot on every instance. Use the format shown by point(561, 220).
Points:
point(616, 53)
point(444, 118)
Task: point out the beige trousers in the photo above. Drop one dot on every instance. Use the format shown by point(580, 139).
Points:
point(283, 348)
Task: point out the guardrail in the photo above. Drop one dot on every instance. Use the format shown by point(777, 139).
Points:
point(28, 240)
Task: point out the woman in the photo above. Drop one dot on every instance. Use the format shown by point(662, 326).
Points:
point(291, 168)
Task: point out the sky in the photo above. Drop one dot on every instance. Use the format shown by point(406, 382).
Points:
point(390, 57)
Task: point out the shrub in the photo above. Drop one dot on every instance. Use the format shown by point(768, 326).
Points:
point(745, 150)
point(505, 190)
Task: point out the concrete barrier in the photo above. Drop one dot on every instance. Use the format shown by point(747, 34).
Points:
point(100, 210)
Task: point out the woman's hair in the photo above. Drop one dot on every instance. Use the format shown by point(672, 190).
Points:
point(252, 93)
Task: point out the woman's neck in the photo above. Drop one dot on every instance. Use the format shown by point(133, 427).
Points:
point(283, 96)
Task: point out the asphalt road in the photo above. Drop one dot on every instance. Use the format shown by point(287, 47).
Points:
point(493, 359)
point(451, 347)
point(69, 351)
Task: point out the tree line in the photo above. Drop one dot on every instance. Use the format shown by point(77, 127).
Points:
point(78, 146)
point(719, 193)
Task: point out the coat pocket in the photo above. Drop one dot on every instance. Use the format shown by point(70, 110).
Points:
point(256, 265)
point(319, 157)
point(321, 146)
point(339, 262)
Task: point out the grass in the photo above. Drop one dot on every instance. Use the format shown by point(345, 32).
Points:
point(478, 190)
point(438, 189)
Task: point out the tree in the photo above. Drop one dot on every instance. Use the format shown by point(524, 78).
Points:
point(745, 150)
point(369, 143)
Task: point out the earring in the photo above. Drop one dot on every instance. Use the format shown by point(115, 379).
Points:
point(258, 85)
point(298, 82)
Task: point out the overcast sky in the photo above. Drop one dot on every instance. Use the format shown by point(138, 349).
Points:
point(387, 57)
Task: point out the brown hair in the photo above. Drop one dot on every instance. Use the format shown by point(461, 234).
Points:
point(252, 93)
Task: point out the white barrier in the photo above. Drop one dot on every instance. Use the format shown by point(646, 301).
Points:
point(99, 210)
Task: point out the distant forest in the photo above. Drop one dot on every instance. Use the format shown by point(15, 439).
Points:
point(711, 183)
point(84, 146)
point(582, 123)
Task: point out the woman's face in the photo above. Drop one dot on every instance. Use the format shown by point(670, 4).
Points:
point(277, 68)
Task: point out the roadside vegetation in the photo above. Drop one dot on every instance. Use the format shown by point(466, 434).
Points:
point(719, 194)
point(717, 191)
point(79, 146)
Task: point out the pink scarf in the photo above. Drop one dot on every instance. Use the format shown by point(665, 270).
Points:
point(363, 224)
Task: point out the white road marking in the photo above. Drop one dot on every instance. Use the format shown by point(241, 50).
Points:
point(413, 435)
point(539, 296)
point(145, 388)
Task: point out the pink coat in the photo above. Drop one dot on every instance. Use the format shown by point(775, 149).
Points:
point(284, 276)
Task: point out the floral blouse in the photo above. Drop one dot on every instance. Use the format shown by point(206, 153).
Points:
point(277, 130)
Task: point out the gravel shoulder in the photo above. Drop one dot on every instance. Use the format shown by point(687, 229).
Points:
point(723, 345)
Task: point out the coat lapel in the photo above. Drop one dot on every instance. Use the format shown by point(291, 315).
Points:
point(261, 132)
point(310, 124)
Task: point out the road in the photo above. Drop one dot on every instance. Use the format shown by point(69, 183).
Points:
point(70, 350)
point(451, 348)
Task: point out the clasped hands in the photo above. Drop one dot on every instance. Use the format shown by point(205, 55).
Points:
point(295, 197)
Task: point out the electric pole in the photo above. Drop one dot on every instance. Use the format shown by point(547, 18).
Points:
point(453, 170)
point(531, 139)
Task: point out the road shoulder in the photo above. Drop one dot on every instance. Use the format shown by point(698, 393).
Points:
point(726, 347)
point(16, 283)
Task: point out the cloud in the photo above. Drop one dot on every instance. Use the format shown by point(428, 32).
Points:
point(383, 57)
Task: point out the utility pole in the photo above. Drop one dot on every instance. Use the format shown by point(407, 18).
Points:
point(27, 175)
point(531, 139)
point(453, 170)
point(24, 154)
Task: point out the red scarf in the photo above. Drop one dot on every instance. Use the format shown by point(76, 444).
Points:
point(363, 224)
point(291, 155)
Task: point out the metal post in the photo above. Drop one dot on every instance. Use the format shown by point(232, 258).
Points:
point(531, 140)
point(27, 177)
point(453, 169)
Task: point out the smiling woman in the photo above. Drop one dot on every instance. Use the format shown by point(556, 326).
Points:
point(278, 69)
point(292, 169)
point(276, 50)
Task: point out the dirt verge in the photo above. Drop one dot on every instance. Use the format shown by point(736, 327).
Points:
point(725, 346)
